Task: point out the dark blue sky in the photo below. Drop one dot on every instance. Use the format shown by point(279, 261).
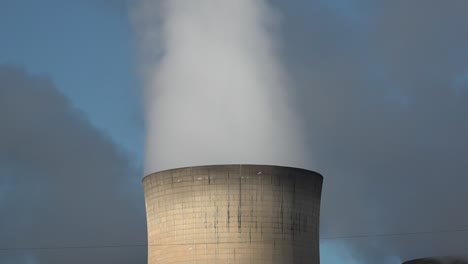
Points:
point(86, 47)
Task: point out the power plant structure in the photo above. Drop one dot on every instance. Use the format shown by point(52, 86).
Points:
point(442, 260)
point(228, 214)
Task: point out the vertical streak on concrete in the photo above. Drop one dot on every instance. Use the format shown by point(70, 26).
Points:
point(228, 220)
point(239, 208)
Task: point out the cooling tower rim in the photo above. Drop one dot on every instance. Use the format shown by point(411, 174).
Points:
point(236, 164)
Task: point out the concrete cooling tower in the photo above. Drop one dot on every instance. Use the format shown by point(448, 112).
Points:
point(444, 260)
point(233, 214)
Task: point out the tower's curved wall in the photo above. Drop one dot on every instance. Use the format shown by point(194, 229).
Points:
point(233, 214)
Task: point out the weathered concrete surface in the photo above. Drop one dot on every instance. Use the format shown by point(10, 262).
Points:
point(233, 214)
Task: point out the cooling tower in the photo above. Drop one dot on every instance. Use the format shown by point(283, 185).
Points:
point(233, 214)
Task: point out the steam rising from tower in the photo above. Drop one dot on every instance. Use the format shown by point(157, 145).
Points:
point(215, 94)
point(215, 91)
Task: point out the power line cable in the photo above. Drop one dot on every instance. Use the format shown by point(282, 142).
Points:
point(397, 234)
point(146, 245)
point(72, 247)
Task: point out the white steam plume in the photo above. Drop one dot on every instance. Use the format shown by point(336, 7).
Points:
point(216, 93)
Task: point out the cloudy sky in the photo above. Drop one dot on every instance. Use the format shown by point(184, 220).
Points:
point(381, 88)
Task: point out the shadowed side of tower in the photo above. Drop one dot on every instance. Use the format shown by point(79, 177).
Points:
point(233, 214)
